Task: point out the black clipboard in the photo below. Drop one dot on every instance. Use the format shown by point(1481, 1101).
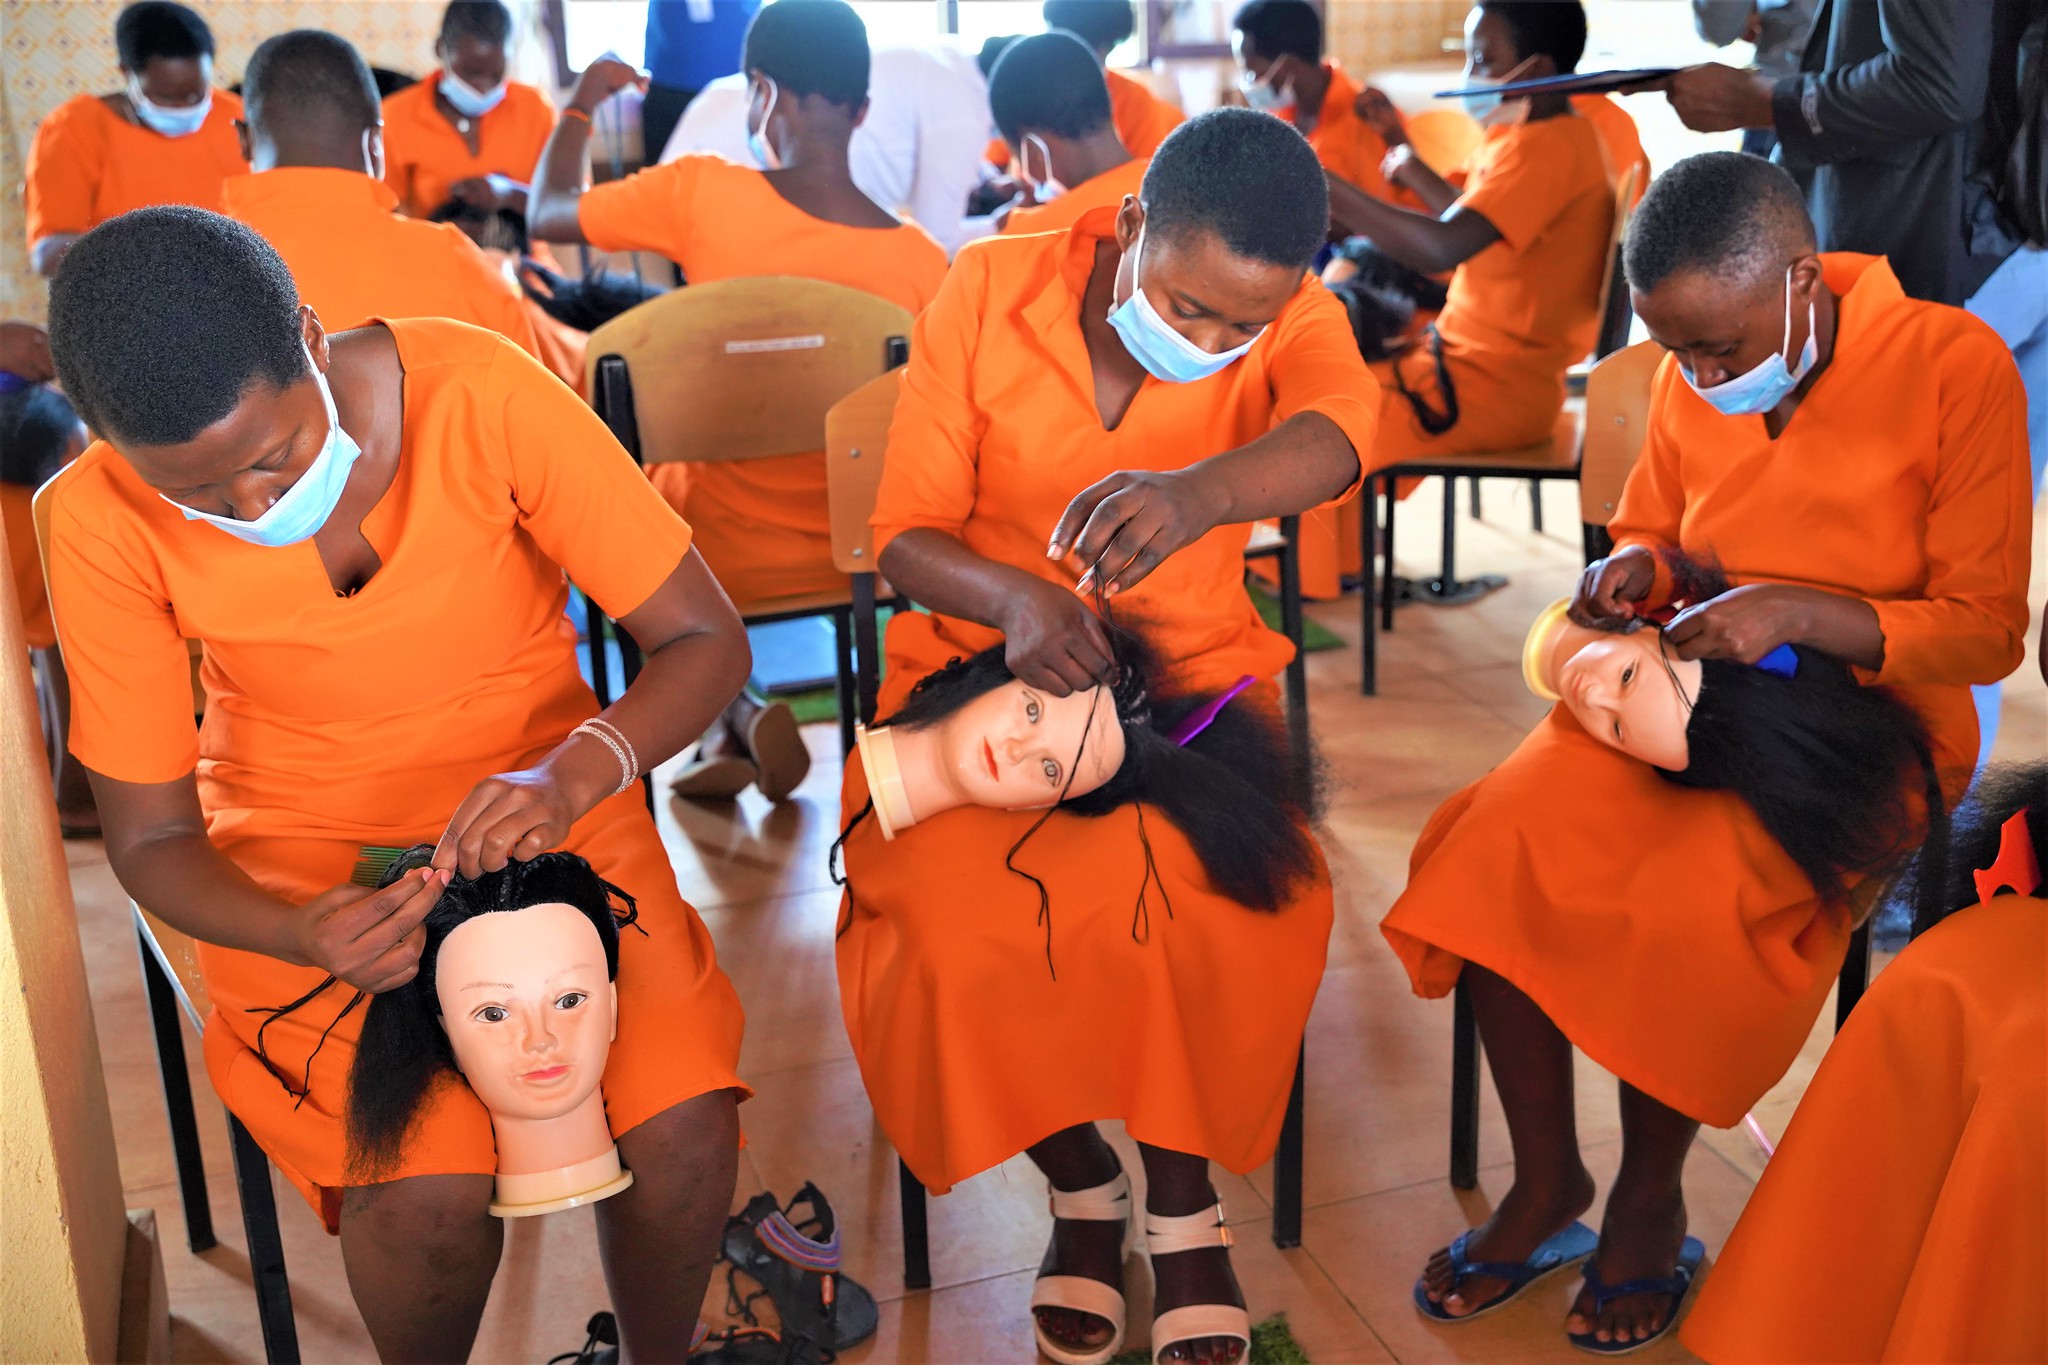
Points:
point(1578, 83)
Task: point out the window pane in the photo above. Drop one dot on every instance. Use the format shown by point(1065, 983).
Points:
point(1195, 23)
point(592, 28)
point(899, 23)
point(981, 20)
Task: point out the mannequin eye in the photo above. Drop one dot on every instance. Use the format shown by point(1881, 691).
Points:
point(1032, 710)
point(1628, 675)
point(1052, 772)
point(571, 1000)
point(491, 1014)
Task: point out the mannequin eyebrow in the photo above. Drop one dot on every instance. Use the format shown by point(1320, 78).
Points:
point(552, 977)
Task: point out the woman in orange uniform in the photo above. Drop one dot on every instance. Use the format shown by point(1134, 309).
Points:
point(1047, 95)
point(1283, 71)
point(1142, 119)
point(1856, 460)
point(167, 137)
point(1902, 1218)
point(763, 525)
point(1105, 408)
point(369, 533)
point(467, 133)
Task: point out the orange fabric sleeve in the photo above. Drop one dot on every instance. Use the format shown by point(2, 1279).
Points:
point(1969, 624)
point(1652, 507)
point(580, 496)
point(928, 476)
point(647, 211)
point(1316, 367)
point(131, 673)
point(1519, 194)
point(63, 166)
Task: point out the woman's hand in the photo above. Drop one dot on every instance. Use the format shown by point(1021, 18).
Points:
point(1746, 623)
point(1399, 166)
point(1052, 641)
point(25, 351)
point(1377, 111)
point(518, 815)
point(1125, 526)
point(602, 79)
point(1610, 588)
point(369, 939)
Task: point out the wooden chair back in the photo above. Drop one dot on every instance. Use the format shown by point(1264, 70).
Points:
point(1617, 420)
point(1443, 138)
point(1615, 313)
point(856, 433)
point(741, 369)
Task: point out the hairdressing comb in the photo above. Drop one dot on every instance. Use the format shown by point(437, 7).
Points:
point(371, 865)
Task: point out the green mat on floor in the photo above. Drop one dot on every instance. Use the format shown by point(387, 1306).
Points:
point(822, 704)
point(1272, 1344)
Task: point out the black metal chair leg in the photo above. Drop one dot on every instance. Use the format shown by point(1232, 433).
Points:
point(1536, 505)
point(600, 660)
point(1369, 589)
point(1855, 975)
point(1450, 577)
point(165, 1022)
point(1287, 1162)
point(848, 697)
point(1464, 1090)
point(867, 672)
point(266, 1247)
point(917, 1247)
point(1390, 490)
point(1471, 489)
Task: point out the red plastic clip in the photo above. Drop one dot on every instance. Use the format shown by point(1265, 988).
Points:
point(2015, 868)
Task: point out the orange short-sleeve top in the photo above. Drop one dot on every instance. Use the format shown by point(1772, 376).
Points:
point(997, 430)
point(367, 717)
point(88, 164)
point(424, 154)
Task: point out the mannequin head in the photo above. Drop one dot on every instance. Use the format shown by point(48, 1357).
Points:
point(513, 994)
point(1838, 773)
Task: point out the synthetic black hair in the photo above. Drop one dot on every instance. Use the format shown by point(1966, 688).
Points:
point(1049, 82)
point(158, 28)
point(811, 47)
point(487, 21)
point(404, 1051)
point(1544, 28)
point(1281, 28)
point(163, 319)
point(1237, 791)
point(307, 81)
point(1977, 836)
point(1839, 774)
point(1245, 176)
point(1734, 216)
point(1101, 24)
point(38, 433)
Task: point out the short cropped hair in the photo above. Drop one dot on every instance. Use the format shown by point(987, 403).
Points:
point(158, 28)
point(811, 47)
point(1050, 82)
point(992, 50)
point(162, 319)
point(1280, 28)
point(305, 79)
point(1732, 216)
point(1245, 176)
point(487, 21)
point(1101, 24)
point(1544, 28)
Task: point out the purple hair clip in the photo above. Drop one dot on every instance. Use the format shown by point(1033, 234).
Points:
point(1781, 661)
point(1206, 715)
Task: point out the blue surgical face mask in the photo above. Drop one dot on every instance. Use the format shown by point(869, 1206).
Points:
point(1480, 103)
point(466, 99)
point(1772, 381)
point(165, 119)
point(757, 138)
point(1265, 96)
point(1048, 187)
point(1166, 354)
point(304, 507)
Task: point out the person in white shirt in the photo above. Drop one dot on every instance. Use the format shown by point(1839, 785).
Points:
point(918, 151)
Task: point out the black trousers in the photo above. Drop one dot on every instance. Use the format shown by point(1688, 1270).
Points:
point(659, 114)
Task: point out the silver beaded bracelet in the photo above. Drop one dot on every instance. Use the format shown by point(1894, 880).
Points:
point(622, 748)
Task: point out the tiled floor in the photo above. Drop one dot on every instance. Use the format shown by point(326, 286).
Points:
point(1451, 704)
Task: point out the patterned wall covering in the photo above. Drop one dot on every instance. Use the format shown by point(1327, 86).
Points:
point(51, 50)
point(1366, 35)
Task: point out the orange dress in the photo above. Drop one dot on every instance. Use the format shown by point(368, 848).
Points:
point(1141, 119)
point(354, 258)
point(1520, 313)
point(1098, 191)
point(1618, 139)
point(88, 164)
point(1686, 953)
point(761, 525)
point(970, 1047)
point(26, 565)
point(317, 742)
point(424, 155)
point(1916, 1157)
point(1349, 147)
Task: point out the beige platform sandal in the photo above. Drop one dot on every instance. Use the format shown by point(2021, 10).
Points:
point(1110, 1203)
point(1163, 1237)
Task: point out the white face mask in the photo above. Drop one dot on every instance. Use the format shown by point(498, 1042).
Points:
point(469, 101)
point(166, 119)
point(1043, 188)
point(1264, 95)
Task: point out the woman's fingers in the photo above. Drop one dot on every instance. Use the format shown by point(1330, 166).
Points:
point(447, 851)
point(1078, 515)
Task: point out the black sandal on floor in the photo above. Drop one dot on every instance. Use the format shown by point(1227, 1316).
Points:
point(797, 1266)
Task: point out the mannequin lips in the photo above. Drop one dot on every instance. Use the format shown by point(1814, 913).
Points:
point(988, 755)
point(542, 1075)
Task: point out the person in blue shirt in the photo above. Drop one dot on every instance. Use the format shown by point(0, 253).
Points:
point(690, 43)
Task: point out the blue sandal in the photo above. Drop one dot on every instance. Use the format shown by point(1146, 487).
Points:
point(1677, 1285)
point(1560, 1252)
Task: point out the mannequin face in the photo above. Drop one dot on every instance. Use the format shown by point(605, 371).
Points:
point(1013, 748)
point(528, 1008)
point(1633, 696)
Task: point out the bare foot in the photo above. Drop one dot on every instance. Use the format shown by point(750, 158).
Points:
point(1640, 1237)
point(1525, 1219)
point(1093, 1248)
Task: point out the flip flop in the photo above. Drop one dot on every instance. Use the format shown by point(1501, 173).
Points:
point(776, 743)
point(1559, 1252)
point(709, 777)
point(797, 1267)
point(1678, 1284)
